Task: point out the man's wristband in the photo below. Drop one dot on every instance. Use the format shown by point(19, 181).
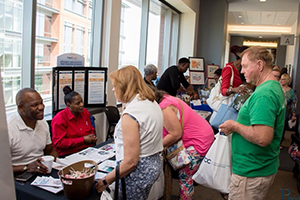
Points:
point(104, 182)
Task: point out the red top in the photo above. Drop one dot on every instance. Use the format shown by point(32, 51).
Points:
point(226, 75)
point(68, 131)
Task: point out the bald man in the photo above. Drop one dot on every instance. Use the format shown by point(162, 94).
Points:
point(28, 133)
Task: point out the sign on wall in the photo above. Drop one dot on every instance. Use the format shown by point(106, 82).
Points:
point(287, 40)
point(70, 60)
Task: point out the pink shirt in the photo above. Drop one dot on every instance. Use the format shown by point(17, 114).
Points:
point(196, 131)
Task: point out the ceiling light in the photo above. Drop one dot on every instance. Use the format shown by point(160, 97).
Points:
point(260, 36)
point(259, 29)
point(278, 24)
point(262, 0)
point(240, 16)
point(242, 23)
point(263, 44)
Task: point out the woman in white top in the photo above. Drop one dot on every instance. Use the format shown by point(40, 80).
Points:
point(138, 134)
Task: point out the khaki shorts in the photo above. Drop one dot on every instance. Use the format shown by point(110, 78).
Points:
point(244, 188)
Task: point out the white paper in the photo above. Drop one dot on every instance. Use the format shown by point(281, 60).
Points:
point(100, 175)
point(107, 165)
point(89, 153)
point(196, 102)
point(58, 166)
point(96, 87)
point(65, 79)
point(48, 183)
point(79, 82)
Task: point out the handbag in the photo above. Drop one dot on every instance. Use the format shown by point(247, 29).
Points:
point(226, 112)
point(116, 196)
point(216, 99)
point(106, 193)
point(215, 169)
point(177, 155)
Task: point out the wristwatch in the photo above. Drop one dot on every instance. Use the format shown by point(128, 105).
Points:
point(25, 168)
point(104, 182)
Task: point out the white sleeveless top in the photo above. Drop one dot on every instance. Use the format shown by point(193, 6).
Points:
point(150, 119)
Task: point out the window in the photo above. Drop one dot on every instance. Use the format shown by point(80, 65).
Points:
point(130, 33)
point(68, 37)
point(155, 32)
point(43, 25)
point(10, 49)
point(88, 52)
point(79, 40)
point(76, 6)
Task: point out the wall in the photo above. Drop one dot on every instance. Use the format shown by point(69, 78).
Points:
point(212, 33)
point(188, 30)
point(280, 54)
point(290, 49)
point(186, 38)
point(235, 40)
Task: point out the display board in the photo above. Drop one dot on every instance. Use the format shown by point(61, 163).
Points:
point(89, 82)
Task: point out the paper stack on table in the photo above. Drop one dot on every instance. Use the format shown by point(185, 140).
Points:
point(107, 166)
point(48, 183)
point(90, 153)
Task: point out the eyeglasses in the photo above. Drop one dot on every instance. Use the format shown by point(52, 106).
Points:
point(276, 76)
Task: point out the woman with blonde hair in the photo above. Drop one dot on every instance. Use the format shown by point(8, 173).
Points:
point(290, 98)
point(138, 134)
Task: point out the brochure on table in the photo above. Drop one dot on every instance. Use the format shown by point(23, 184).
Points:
point(48, 183)
point(90, 153)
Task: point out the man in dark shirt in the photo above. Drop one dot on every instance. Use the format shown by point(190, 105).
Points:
point(150, 74)
point(173, 76)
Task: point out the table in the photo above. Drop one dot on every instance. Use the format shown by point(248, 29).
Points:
point(25, 191)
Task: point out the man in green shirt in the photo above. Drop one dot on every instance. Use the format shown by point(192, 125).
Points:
point(256, 133)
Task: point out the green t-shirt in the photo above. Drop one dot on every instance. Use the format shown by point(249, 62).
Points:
point(265, 106)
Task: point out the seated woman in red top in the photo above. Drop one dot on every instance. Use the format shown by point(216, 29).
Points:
point(72, 130)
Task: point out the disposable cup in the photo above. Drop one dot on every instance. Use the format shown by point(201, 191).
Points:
point(48, 162)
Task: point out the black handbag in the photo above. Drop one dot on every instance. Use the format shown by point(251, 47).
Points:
point(116, 197)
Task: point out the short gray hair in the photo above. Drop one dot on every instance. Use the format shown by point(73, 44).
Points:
point(149, 69)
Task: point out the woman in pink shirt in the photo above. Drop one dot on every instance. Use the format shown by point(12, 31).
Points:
point(197, 136)
point(72, 130)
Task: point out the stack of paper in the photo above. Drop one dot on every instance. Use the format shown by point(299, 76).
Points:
point(89, 153)
point(48, 183)
point(107, 166)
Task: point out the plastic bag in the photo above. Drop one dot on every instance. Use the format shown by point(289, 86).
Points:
point(215, 169)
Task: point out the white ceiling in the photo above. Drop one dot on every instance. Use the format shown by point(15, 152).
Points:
point(275, 13)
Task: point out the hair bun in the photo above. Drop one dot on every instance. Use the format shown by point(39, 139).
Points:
point(67, 90)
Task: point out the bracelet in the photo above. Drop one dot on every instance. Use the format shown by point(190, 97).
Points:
point(104, 182)
point(228, 91)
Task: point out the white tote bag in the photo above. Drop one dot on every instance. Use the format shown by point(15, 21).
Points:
point(216, 99)
point(215, 169)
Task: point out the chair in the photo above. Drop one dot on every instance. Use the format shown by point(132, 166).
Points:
point(113, 116)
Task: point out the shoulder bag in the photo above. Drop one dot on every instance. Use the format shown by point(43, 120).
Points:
point(176, 154)
point(216, 99)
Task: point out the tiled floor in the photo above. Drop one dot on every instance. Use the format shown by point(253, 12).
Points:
point(283, 185)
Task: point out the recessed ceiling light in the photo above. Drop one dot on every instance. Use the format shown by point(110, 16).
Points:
point(240, 16)
point(260, 36)
point(262, 0)
point(278, 24)
point(242, 23)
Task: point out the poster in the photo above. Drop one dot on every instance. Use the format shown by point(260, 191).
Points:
point(96, 87)
point(211, 69)
point(196, 64)
point(65, 78)
point(79, 82)
point(197, 78)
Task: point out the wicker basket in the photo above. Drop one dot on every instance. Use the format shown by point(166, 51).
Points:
point(78, 188)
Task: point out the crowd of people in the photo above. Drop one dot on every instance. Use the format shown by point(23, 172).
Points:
point(153, 119)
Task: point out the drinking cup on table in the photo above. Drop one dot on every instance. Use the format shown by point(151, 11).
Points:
point(48, 162)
